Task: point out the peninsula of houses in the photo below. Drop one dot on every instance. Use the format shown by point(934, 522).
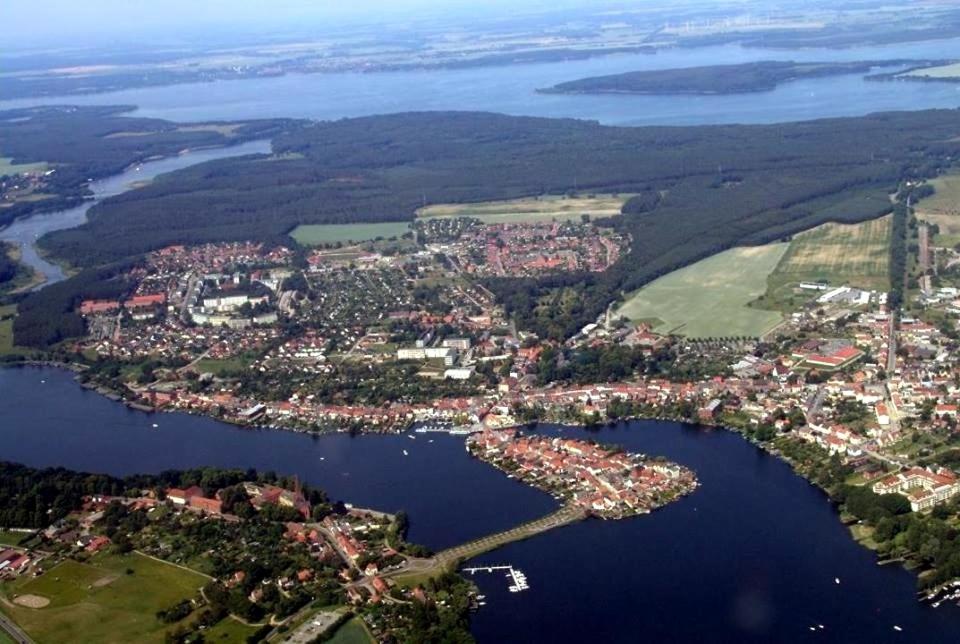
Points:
point(603, 481)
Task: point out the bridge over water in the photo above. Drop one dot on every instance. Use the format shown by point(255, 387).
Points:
point(451, 557)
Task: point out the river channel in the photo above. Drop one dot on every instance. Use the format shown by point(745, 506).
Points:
point(26, 231)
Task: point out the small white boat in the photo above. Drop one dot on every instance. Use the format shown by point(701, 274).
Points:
point(323, 458)
point(406, 453)
point(155, 425)
point(836, 580)
point(820, 626)
point(897, 628)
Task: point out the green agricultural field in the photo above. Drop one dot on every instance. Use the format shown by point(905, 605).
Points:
point(6, 332)
point(941, 71)
point(8, 538)
point(710, 298)
point(531, 209)
point(99, 602)
point(943, 209)
point(853, 254)
point(353, 632)
point(8, 167)
point(316, 234)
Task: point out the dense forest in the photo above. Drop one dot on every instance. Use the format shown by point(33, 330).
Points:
point(83, 143)
point(760, 76)
point(48, 316)
point(702, 189)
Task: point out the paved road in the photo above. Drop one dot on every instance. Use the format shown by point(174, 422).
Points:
point(923, 237)
point(313, 628)
point(13, 631)
point(892, 345)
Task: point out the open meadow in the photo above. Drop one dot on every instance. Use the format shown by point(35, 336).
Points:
point(111, 598)
point(710, 298)
point(530, 209)
point(852, 254)
point(7, 166)
point(316, 234)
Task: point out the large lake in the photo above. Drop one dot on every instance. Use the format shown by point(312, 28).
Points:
point(751, 556)
point(511, 89)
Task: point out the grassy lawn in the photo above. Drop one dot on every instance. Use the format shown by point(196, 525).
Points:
point(99, 602)
point(314, 234)
point(8, 167)
point(228, 631)
point(710, 298)
point(8, 538)
point(531, 209)
point(353, 632)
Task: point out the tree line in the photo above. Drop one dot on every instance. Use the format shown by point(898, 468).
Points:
point(700, 189)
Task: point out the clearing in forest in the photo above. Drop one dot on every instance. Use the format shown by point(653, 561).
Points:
point(316, 234)
point(531, 209)
point(7, 166)
point(710, 298)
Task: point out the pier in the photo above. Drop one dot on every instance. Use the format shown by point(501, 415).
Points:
point(516, 576)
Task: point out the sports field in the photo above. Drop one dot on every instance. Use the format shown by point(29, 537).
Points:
point(315, 234)
point(710, 298)
point(98, 601)
point(530, 209)
point(853, 254)
point(943, 209)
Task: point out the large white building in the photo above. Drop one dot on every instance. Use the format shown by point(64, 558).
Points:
point(448, 354)
point(925, 488)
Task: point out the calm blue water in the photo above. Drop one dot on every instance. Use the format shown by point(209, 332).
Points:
point(750, 557)
point(510, 89)
point(25, 232)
